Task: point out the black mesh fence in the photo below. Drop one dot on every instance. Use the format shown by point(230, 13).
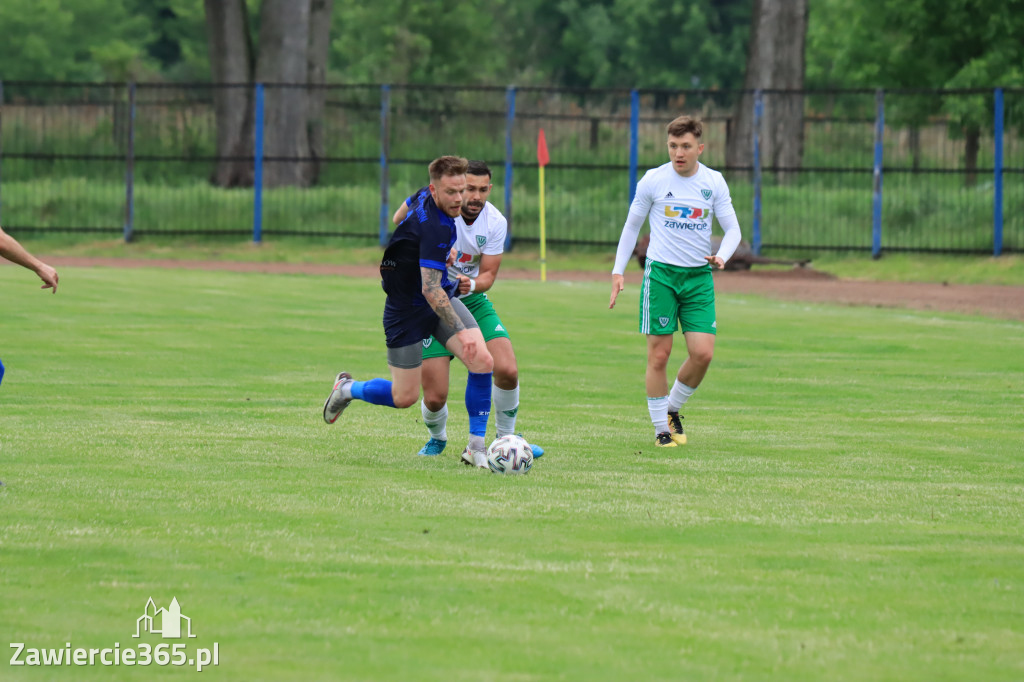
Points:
point(138, 160)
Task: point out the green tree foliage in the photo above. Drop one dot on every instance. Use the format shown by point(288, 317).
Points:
point(916, 43)
point(73, 40)
point(922, 44)
point(405, 41)
point(649, 43)
point(586, 43)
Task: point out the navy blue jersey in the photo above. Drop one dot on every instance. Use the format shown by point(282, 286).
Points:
point(423, 239)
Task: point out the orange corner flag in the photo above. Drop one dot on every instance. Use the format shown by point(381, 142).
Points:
point(542, 149)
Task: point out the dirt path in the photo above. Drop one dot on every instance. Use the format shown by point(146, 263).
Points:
point(801, 285)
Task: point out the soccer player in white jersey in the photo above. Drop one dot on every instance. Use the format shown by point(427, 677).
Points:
point(480, 243)
point(678, 199)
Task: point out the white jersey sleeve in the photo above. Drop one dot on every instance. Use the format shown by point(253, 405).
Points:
point(638, 211)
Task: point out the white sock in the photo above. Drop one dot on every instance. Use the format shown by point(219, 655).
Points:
point(658, 407)
point(678, 396)
point(476, 443)
point(436, 422)
point(506, 407)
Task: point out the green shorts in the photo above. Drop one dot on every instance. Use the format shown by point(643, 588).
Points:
point(671, 295)
point(486, 317)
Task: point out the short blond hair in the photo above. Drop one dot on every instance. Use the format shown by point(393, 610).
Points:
point(445, 166)
point(685, 124)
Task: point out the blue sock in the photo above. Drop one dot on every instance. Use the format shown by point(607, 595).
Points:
point(374, 391)
point(1, 372)
point(478, 402)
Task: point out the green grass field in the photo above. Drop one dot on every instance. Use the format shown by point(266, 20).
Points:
point(848, 508)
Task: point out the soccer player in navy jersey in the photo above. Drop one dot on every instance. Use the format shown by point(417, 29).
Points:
point(419, 304)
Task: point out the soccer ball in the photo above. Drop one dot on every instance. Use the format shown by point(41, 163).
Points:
point(510, 455)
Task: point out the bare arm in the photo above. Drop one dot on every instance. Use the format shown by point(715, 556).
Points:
point(400, 214)
point(16, 253)
point(437, 298)
point(489, 265)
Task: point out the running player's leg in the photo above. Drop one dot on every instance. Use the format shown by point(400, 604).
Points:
point(697, 320)
point(505, 393)
point(658, 320)
point(434, 407)
point(400, 392)
point(404, 332)
point(478, 386)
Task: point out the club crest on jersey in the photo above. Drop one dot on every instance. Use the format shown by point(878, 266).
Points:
point(427, 342)
point(481, 240)
point(663, 321)
point(706, 193)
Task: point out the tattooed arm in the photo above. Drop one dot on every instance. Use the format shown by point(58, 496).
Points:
point(437, 298)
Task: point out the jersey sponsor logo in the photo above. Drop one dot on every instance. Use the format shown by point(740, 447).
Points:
point(686, 212)
point(481, 240)
point(463, 258)
point(663, 321)
point(706, 193)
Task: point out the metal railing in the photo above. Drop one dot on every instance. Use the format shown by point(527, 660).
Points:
point(876, 171)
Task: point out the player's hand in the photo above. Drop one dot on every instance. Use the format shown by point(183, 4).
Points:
point(468, 346)
point(463, 285)
point(618, 284)
point(49, 277)
point(453, 253)
point(716, 262)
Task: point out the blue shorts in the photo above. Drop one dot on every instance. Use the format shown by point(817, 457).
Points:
point(411, 325)
point(406, 326)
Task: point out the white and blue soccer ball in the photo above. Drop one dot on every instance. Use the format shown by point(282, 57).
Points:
point(510, 454)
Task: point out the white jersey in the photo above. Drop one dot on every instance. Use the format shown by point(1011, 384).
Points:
point(485, 237)
point(679, 210)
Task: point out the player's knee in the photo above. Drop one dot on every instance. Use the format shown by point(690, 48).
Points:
point(703, 356)
point(506, 376)
point(405, 397)
point(657, 358)
point(483, 362)
point(434, 401)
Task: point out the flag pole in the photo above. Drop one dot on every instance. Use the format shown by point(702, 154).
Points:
point(542, 160)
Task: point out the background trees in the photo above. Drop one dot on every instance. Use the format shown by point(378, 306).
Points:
point(671, 44)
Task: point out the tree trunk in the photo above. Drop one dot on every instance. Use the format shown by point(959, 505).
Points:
point(227, 26)
point(282, 63)
point(319, 46)
point(775, 61)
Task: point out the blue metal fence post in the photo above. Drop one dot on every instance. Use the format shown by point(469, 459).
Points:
point(997, 201)
point(510, 119)
point(129, 169)
point(385, 171)
point(257, 170)
point(876, 212)
point(634, 140)
point(755, 239)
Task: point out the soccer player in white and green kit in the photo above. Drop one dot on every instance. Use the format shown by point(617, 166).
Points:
point(480, 243)
point(678, 199)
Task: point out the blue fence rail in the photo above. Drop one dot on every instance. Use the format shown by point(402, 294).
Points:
point(137, 160)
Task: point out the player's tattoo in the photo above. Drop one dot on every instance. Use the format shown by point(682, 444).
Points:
point(438, 298)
